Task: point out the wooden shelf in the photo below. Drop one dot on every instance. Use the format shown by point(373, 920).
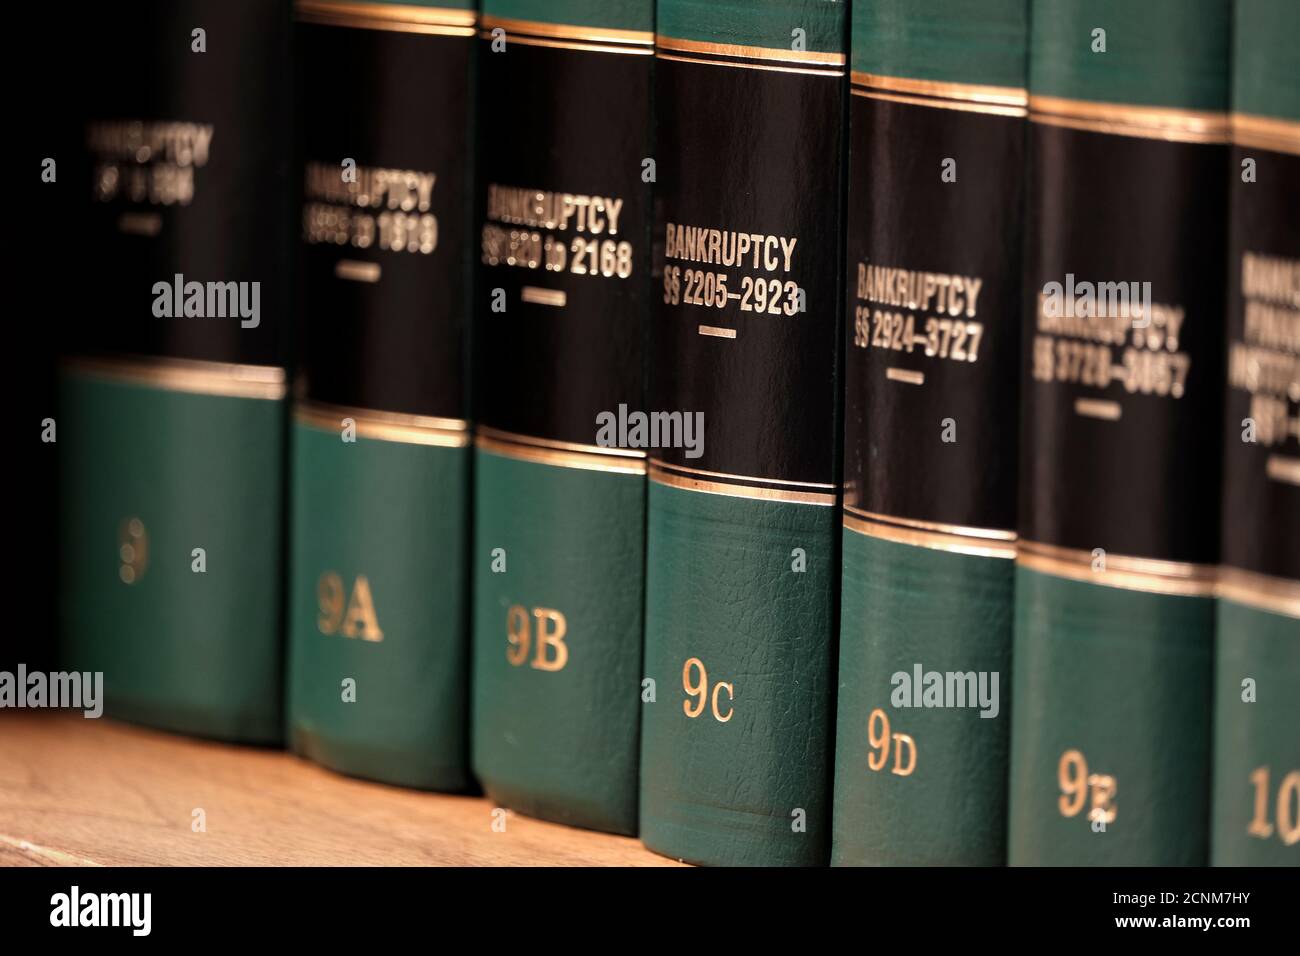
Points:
point(84, 792)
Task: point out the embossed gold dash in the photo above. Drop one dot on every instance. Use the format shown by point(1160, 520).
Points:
point(717, 332)
point(355, 271)
point(906, 375)
point(398, 17)
point(539, 296)
point(1283, 468)
point(386, 426)
point(1098, 408)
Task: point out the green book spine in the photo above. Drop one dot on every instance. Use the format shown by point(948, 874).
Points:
point(172, 410)
point(563, 302)
point(936, 150)
point(379, 589)
point(1255, 810)
point(742, 550)
point(1121, 403)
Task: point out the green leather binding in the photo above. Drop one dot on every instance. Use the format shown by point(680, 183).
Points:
point(1123, 678)
point(398, 514)
point(754, 23)
point(191, 652)
point(953, 41)
point(611, 14)
point(722, 589)
point(1249, 830)
point(903, 605)
point(559, 744)
point(1158, 52)
point(1264, 79)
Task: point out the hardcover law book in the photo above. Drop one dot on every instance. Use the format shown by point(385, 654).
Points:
point(1256, 796)
point(936, 154)
point(173, 410)
point(379, 600)
point(1122, 388)
point(742, 556)
point(563, 302)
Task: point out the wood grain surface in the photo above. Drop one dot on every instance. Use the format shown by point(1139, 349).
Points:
point(84, 792)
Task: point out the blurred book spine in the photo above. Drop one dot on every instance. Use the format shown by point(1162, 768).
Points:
point(1122, 396)
point(173, 401)
point(379, 585)
point(1256, 801)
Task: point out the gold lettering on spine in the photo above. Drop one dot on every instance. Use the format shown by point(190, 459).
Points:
point(551, 653)
point(132, 550)
point(882, 741)
point(697, 687)
point(1078, 787)
point(1288, 807)
point(1265, 361)
point(355, 618)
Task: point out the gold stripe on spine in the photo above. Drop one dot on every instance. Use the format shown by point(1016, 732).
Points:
point(979, 543)
point(667, 466)
point(659, 475)
point(567, 31)
point(386, 426)
point(223, 379)
point(734, 50)
point(574, 45)
point(747, 66)
point(543, 451)
point(965, 92)
point(1123, 119)
point(1265, 132)
point(398, 17)
point(964, 107)
point(1261, 591)
point(1121, 571)
point(958, 530)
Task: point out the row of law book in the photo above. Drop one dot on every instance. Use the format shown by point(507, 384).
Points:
point(790, 432)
